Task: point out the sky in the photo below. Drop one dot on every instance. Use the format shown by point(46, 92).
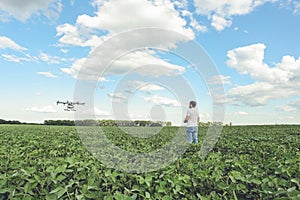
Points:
point(122, 58)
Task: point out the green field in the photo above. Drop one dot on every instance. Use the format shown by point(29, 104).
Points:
point(249, 162)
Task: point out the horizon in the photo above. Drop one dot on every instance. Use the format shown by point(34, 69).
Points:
point(224, 124)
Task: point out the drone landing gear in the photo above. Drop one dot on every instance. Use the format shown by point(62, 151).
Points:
point(69, 110)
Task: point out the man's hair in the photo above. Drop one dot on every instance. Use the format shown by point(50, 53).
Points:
point(193, 103)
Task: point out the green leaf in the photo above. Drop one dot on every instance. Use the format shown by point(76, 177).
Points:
point(148, 180)
point(59, 191)
point(134, 196)
point(166, 197)
point(147, 194)
point(296, 180)
point(51, 197)
point(234, 195)
point(256, 181)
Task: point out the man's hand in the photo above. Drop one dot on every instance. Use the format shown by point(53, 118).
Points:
point(187, 118)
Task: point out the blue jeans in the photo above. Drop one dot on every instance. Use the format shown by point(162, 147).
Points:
point(192, 134)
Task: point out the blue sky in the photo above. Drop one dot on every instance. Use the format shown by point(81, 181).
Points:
point(254, 44)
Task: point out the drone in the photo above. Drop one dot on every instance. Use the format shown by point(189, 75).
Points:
point(70, 105)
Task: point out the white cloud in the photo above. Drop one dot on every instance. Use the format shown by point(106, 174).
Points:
point(286, 108)
point(76, 66)
point(135, 14)
point(219, 97)
point(64, 50)
point(141, 62)
point(291, 106)
point(159, 100)
point(296, 7)
point(181, 4)
point(220, 23)
point(197, 26)
point(22, 10)
point(144, 86)
point(221, 12)
point(50, 59)
point(45, 109)
point(47, 74)
point(113, 17)
point(219, 80)
point(250, 60)
point(96, 111)
point(117, 97)
point(270, 83)
point(77, 36)
point(242, 113)
point(192, 22)
point(102, 113)
point(119, 16)
point(14, 58)
point(7, 43)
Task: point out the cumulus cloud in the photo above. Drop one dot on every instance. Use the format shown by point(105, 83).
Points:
point(292, 106)
point(164, 101)
point(135, 14)
point(77, 36)
point(220, 23)
point(119, 16)
point(144, 86)
point(113, 17)
point(47, 74)
point(191, 20)
point(141, 62)
point(7, 43)
point(45, 109)
point(22, 10)
point(270, 83)
point(219, 80)
point(250, 60)
point(221, 12)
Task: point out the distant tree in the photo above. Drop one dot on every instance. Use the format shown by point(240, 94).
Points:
point(59, 122)
point(2, 121)
point(169, 123)
point(107, 122)
point(155, 125)
point(142, 123)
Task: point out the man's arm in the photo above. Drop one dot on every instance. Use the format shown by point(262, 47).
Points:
point(198, 119)
point(187, 118)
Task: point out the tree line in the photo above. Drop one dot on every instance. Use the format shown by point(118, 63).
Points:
point(2, 121)
point(107, 122)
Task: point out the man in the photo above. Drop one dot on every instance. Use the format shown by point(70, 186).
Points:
point(192, 119)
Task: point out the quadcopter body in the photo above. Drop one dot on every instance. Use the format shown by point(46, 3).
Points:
point(70, 106)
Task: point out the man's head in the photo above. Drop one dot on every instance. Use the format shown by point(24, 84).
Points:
point(192, 104)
